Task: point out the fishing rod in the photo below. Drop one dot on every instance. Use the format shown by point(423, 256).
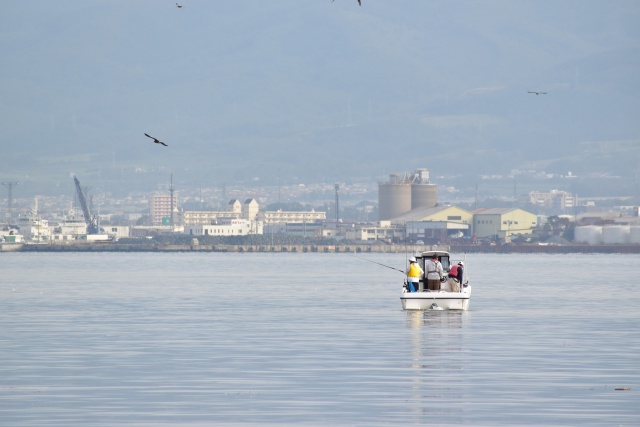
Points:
point(393, 268)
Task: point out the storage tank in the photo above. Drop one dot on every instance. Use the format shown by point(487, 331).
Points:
point(424, 196)
point(423, 193)
point(590, 234)
point(394, 197)
point(613, 234)
point(634, 234)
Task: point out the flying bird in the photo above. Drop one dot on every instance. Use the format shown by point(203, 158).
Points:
point(179, 6)
point(537, 93)
point(359, 2)
point(157, 141)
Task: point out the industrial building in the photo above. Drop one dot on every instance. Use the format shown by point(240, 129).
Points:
point(384, 231)
point(436, 223)
point(502, 223)
point(608, 234)
point(411, 201)
point(402, 194)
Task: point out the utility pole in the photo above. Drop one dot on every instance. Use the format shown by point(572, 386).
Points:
point(476, 197)
point(279, 192)
point(224, 194)
point(10, 186)
point(337, 187)
point(171, 197)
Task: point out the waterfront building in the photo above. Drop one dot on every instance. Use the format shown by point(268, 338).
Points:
point(206, 217)
point(10, 235)
point(502, 223)
point(303, 229)
point(224, 227)
point(150, 231)
point(34, 228)
point(300, 217)
point(384, 231)
point(250, 209)
point(247, 210)
point(433, 224)
point(68, 229)
point(118, 231)
point(160, 209)
point(554, 199)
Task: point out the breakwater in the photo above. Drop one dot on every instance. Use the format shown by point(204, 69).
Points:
point(104, 247)
point(546, 249)
point(340, 248)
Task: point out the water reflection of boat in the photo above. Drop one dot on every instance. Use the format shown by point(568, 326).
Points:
point(443, 299)
point(439, 372)
point(437, 320)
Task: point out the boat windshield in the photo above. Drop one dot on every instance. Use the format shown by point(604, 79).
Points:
point(444, 260)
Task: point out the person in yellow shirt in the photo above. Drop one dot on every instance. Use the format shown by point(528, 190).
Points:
point(414, 273)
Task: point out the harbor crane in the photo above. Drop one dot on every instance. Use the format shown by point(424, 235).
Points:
point(91, 221)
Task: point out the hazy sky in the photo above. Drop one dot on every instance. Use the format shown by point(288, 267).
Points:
point(314, 89)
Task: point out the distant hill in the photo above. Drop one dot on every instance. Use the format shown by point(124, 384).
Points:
point(316, 91)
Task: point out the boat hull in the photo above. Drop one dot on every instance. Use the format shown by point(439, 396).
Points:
point(442, 300)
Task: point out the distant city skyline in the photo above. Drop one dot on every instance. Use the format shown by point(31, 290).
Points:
point(317, 196)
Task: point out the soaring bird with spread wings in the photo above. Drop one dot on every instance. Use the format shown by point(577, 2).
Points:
point(156, 140)
point(359, 2)
point(537, 93)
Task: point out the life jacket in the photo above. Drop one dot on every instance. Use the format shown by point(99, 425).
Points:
point(453, 271)
point(414, 270)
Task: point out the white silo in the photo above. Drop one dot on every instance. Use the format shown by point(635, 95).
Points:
point(423, 193)
point(394, 197)
point(615, 234)
point(590, 234)
point(634, 234)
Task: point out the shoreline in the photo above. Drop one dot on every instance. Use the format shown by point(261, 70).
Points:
point(345, 248)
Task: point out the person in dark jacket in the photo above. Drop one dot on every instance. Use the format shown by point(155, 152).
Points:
point(460, 271)
point(454, 284)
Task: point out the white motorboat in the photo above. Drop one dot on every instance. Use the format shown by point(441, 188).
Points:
point(443, 299)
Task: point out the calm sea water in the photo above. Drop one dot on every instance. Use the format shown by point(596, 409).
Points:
point(314, 339)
